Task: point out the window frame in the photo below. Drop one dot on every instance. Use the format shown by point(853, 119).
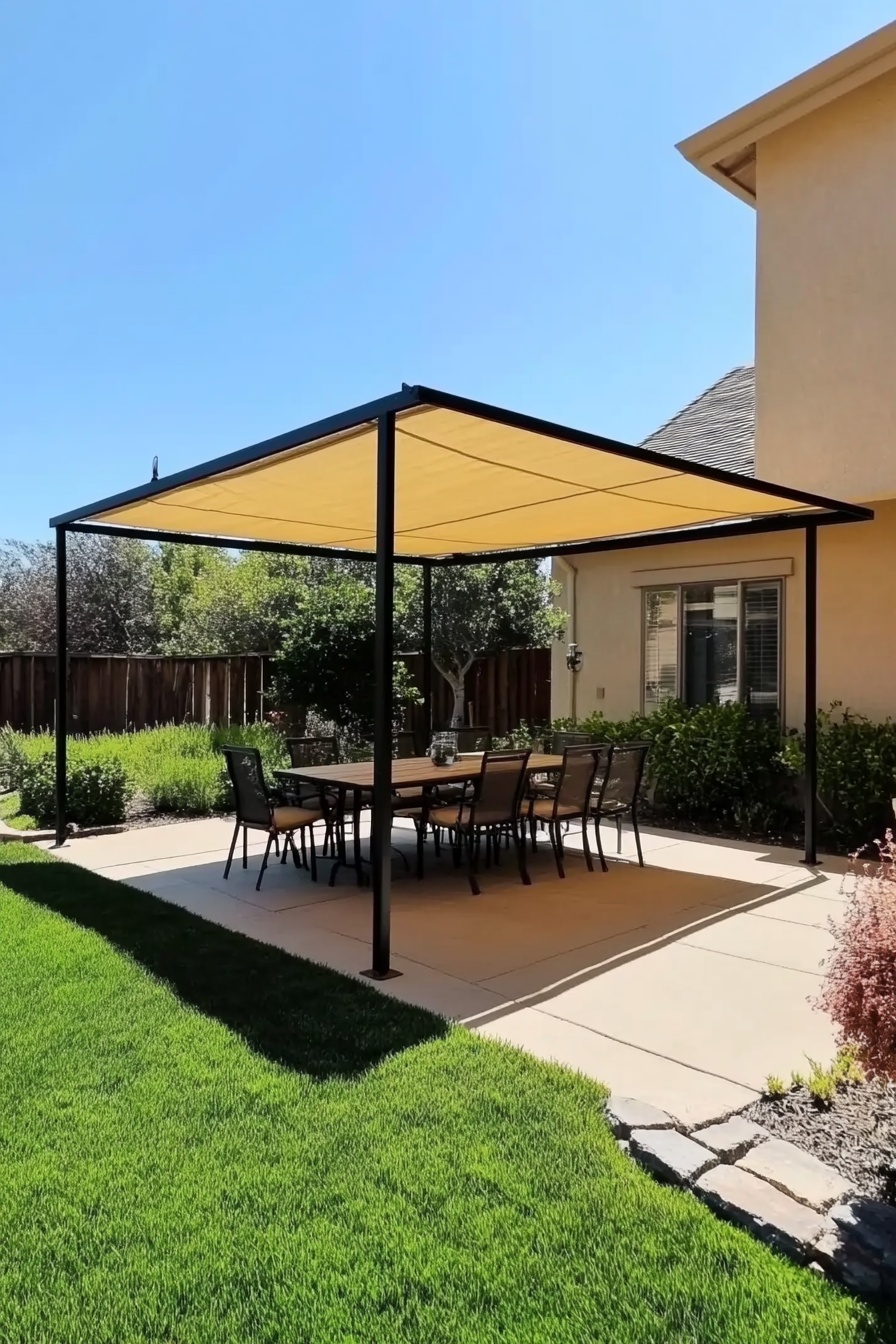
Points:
point(742, 584)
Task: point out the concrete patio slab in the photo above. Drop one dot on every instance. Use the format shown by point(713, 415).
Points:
point(690, 1096)
point(683, 984)
point(741, 1020)
point(795, 947)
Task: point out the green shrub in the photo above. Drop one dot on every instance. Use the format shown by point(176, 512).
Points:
point(189, 786)
point(98, 792)
point(856, 773)
point(715, 764)
point(12, 758)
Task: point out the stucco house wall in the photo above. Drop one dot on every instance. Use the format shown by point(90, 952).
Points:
point(822, 176)
point(857, 658)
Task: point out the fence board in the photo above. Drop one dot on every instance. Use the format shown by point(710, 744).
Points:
point(113, 693)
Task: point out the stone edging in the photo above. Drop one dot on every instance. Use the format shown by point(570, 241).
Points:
point(34, 837)
point(783, 1195)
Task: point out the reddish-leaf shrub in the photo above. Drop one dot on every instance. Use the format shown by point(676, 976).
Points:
point(859, 990)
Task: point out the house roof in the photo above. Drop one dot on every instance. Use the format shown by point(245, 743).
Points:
point(717, 428)
point(464, 478)
point(726, 150)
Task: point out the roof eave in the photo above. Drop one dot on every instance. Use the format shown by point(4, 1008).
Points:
point(738, 133)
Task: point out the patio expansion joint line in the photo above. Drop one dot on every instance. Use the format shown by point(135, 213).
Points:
point(797, 923)
point(657, 1054)
point(756, 961)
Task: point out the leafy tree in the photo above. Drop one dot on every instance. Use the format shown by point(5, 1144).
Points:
point(483, 609)
point(326, 662)
point(110, 595)
point(212, 601)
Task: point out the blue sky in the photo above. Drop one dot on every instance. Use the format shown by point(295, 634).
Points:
point(224, 219)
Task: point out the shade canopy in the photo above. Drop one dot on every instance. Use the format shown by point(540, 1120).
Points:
point(470, 479)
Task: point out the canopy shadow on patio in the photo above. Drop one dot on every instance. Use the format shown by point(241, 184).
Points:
point(427, 478)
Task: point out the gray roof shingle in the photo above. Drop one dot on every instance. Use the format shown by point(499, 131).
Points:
point(717, 428)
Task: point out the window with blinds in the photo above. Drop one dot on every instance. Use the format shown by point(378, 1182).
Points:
point(714, 643)
point(761, 646)
point(660, 647)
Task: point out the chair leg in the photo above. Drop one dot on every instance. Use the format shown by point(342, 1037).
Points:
point(471, 862)
point(586, 844)
point(519, 840)
point(311, 853)
point(245, 846)
point(600, 848)
point(532, 830)
point(277, 846)
point(554, 832)
point(637, 837)
point(421, 837)
point(618, 835)
point(295, 853)
point(264, 862)
point(236, 831)
point(287, 840)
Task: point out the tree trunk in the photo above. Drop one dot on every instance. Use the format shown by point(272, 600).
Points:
point(457, 714)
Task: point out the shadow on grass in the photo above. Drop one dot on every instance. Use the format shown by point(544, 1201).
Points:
point(294, 1012)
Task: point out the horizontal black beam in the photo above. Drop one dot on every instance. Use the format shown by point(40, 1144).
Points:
point(233, 543)
point(430, 396)
point(256, 452)
point(747, 527)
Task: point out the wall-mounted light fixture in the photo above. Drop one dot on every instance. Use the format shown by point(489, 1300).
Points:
point(574, 658)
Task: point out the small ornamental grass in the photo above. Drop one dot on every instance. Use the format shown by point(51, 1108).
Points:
point(859, 990)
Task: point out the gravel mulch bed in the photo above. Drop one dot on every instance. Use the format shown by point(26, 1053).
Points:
point(856, 1134)
point(140, 814)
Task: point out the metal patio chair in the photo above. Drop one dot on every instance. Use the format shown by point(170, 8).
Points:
point(404, 745)
point(256, 810)
point(473, 737)
point(493, 808)
point(542, 786)
point(619, 793)
point(570, 800)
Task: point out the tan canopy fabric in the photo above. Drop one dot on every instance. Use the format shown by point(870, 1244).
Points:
point(465, 483)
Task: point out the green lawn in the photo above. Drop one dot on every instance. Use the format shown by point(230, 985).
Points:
point(204, 1139)
point(9, 812)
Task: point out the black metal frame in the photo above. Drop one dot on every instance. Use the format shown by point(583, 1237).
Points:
point(383, 414)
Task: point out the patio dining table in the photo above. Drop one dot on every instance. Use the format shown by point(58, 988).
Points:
point(355, 778)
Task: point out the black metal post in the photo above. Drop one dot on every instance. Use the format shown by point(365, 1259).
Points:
point(381, 821)
point(427, 654)
point(811, 694)
point(61, 685)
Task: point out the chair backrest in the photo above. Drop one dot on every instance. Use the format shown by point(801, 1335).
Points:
point(476, 737)
point(405, 744)
point(561, 740)
point(499, 790)
point(305, 752)
point(581, 766)
point(624, 774)
point(253, 805)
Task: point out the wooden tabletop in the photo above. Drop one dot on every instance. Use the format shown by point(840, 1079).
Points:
point(413, 771)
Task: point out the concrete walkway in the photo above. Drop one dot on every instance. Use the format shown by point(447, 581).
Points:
point(683, 984)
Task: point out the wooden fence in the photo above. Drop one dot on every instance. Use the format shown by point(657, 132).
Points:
point(118, 692)
point(502, 690)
